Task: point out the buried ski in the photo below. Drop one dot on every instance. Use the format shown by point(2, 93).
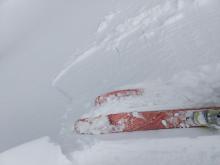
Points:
point(149, 120)
point(117, 95)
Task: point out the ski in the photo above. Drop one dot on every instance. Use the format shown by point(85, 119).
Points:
point(118, 94)
point(149, 120)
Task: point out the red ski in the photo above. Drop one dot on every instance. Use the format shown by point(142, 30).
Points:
point(149, 120)
point(100, 100)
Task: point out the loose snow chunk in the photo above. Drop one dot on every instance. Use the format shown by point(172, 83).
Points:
point(38, 152)
point(137, 115)
point(94, 126)
point(164, 122)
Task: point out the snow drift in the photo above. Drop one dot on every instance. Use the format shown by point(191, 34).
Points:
point(168, 47)
point(38, 152)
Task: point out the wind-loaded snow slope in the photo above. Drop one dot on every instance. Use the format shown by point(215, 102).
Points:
point(168, 47)
point(171, 49)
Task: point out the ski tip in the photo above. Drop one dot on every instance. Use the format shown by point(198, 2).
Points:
point(96, 125)
point(118, 94)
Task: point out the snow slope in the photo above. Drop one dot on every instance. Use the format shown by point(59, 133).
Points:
point(162, 43)
point(168, 47)
point(124, 150)
point(38, 152)
point(178, 151)
point(36, 38)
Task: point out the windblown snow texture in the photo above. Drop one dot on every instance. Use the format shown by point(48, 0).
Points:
point(163, 46)
point(168, 47)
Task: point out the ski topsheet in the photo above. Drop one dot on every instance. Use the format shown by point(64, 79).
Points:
point(100, 100)
point(148, 120)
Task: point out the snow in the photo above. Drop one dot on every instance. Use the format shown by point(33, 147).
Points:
point(168, 47)
point(139, 148)
point(99, 124)
point(37, 38)
point(140, 151)
point(107, 20)
point(163, 47)
point(40, 151)
point(184, 89)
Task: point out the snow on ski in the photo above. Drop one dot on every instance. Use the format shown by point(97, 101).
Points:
point(149, 120)
point(145, 120)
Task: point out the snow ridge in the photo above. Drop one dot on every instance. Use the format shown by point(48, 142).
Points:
point(144, 24)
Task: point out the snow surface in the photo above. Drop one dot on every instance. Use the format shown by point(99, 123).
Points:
point(156, 151)
point(37, 38)
point(38, 152)
point(149, 45)
point(168, 47)
point(135, 149)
